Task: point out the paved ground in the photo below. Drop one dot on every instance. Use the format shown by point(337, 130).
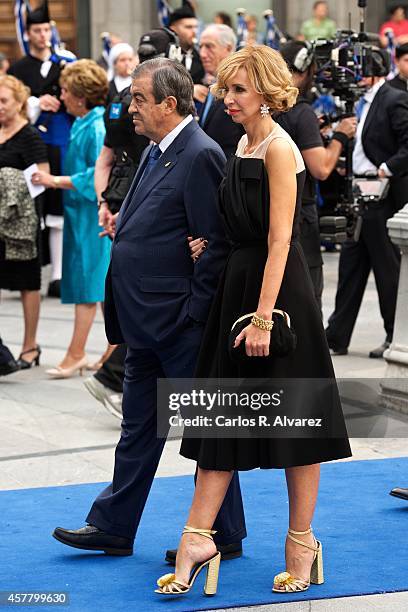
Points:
point(54, 433)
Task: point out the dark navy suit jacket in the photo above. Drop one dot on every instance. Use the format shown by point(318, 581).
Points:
point(153, 288)
point(219, 126)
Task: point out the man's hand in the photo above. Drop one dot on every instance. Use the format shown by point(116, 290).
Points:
point(348, 126)
point(104, 215)
point(200, 92)
point(49, 103)
point(110, 227)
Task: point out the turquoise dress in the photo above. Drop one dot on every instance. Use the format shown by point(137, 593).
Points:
point(85, 257)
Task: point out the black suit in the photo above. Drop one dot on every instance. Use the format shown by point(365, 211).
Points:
point(384, 139)
point(196, 71)
point(399, 83)
point(220, 127)
point(157, 301)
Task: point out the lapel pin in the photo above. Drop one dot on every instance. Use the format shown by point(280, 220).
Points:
point(167, 164)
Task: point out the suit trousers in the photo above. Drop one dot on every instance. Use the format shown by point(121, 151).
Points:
point(373, 251)
point(118, 509)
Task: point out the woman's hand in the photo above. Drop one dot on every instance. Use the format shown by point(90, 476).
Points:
point(197, 247)
point(256, 340)
point(43, 178)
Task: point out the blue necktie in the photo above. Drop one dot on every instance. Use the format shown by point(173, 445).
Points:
point(360, 106)
point(208, 102)
point(154, 155)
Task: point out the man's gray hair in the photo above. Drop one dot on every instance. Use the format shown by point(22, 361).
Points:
point(226, 35)
point(169, 78)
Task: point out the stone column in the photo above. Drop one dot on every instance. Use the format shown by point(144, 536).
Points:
point(394, 388)
point(127, 18)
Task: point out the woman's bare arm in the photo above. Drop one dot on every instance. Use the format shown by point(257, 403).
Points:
point(281, 168)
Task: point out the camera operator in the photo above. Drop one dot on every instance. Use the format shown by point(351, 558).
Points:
point(381, 149)
point(303, 126)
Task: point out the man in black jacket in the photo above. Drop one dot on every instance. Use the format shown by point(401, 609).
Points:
point(381, 149)
point(184, 23)
point(401, 62)
point(302, 125)
point(216, 43)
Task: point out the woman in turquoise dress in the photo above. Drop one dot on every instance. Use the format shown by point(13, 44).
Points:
point(85, 254)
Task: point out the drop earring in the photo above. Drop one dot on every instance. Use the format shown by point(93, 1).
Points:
point(264, 110)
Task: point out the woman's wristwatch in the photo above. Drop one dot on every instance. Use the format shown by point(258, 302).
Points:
point(57, 182)
point(101, 202)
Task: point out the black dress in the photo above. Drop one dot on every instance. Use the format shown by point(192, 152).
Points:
point(244, 206)
point(20, 151)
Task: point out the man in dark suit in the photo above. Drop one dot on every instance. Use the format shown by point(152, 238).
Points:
point(381, 149)
point(218, 41)
point(400, 81)
point(184, 23)
point(157, 300)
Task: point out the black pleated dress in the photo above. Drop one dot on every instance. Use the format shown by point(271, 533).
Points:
point(20, 151)
point(244, 206)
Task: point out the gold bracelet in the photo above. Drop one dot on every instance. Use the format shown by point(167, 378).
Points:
point(262, 323)
point(57, 182)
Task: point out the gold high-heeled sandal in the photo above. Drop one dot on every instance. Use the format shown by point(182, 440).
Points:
point(291, 584)
point(168, 585)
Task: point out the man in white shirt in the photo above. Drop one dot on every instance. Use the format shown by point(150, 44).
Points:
point(381, 149)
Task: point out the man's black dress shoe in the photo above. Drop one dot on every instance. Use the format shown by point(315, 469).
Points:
point(92, 538)
point(9, 368)
point(401, 493)
point(336, 350)
point(228, 551)
point(379, 351)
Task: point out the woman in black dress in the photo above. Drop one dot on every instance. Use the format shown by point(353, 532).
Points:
point(260, 203)
point(21, 146)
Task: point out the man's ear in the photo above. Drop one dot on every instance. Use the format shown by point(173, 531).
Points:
point(170, 104)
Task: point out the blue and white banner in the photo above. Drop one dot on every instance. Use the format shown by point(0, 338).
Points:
point(271, 34)
point(242, 30)
point(163, 12)
point(20, 13)
point(59, 53)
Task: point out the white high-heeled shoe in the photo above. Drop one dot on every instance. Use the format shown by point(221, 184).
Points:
point(59, 372)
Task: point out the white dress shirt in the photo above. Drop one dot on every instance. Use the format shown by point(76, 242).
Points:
point(171, 136)
point(361, 163)
point(122, 82)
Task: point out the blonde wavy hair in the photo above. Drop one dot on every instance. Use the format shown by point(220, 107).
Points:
point(20, 92)
point(85, 79)
point(267, 72)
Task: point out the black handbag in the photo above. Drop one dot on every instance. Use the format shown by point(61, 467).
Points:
point(283, 337)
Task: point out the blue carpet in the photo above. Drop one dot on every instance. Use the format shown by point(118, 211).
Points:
point(358, 522)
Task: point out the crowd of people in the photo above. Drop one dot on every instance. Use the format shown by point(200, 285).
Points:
point(132, 156)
